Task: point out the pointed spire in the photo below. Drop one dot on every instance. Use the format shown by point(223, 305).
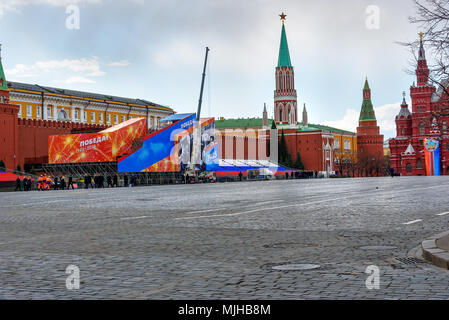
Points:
point(422, 52)
point(284, 54)
point(366, 87)
point(305, 121)
point(367, 112)
point(265, 116)
point(3, 84)
point(404, 112)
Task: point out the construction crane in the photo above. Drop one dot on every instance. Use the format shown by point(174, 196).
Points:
point(196, 149)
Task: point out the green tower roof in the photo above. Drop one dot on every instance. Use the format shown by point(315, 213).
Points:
point(367, 112)
point(366, 87)
point(3, 85)
point(284, 54)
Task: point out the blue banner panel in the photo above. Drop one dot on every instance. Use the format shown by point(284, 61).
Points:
point(155, 148)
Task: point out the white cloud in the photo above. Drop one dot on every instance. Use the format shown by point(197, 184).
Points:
point(78, 80)
point(385, 116)
point(90, 66)
point(121, 63)
point(14, 5)
point(349, 122)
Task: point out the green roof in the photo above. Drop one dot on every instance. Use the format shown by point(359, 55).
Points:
point(284, 54)
point(241, 123)
point(367, 112)
point(3, 84)
point(257, 122)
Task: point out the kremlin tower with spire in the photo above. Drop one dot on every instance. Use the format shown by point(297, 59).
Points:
point(285, 104)
point(369, 139)
point(427, 120)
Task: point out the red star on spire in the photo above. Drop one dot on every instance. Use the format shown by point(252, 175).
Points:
point(282, 15)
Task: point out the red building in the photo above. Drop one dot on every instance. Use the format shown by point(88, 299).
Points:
point(369, 140)
point(255, 139)
point(428, 119)
point(29, 114)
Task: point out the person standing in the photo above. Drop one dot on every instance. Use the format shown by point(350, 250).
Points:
point(63, 183)
point(125, 180)
point(115, 184)
point(18, 188)
point(240, 175)
point(56, 183)
point(70, 183)
point(109, 179)
point(25, 183)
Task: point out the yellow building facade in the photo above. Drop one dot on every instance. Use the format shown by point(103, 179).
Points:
point(345, 147)
point(46, 103)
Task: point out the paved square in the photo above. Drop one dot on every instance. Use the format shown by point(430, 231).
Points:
point(220, 241)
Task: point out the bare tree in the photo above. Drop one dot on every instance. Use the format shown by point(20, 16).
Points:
point(432, 17)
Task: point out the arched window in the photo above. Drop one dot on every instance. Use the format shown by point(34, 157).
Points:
point(422, 130)
point(62, 115)
point(408, 167)
point(444, 126)
point(288, 81)
point(419, 164)
point(280, 115)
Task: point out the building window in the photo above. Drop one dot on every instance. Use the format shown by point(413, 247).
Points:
point(130, 117)
point(62, 115)
point(100, 117)
point(151, 122)
point(408, 167)
point(92, 117)
point(421, 128)
point(85, 115)
point(108, 118)
point(3, 99)
point(77, 116)
point(48, 112)
point(123, 118)
point(115, 119)
point(38, 112)
point(29, 111)
point(347, 144)
point(419, 164)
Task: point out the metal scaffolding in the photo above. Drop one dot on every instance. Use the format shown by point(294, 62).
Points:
point(78, 171)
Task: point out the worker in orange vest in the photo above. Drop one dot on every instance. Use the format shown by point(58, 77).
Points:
point(39, 183)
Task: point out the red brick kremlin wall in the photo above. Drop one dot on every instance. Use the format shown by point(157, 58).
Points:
point(27, 139)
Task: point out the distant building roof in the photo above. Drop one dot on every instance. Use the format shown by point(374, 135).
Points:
point(241, 123)
point(85, 95)
point(258, 123)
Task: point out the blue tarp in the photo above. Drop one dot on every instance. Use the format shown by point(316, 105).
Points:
point(177, 116)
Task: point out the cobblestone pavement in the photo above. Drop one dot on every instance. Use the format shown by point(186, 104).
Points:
point(220, 241)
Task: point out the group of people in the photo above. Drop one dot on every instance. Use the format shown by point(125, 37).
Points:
point(111, 181)
point(46, 183)
point(23, 184)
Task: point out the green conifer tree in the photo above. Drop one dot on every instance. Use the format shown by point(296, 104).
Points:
point(298, 163)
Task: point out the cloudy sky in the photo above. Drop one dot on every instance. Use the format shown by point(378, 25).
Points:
point(154, 50)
